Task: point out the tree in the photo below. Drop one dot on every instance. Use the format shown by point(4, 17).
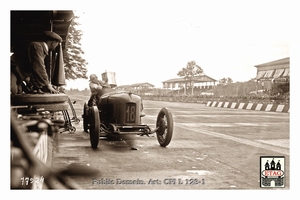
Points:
point(222, 81)
point(75, 64)
point(229, 80)
point(281, 88)
point(225, 81)
point(191, 70)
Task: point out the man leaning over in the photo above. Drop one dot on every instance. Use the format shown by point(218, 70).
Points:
point(32, 64)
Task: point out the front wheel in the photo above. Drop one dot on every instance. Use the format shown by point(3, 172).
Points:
point(85, 118)
point(94, 126)
point(164, 123)
point(72, 129)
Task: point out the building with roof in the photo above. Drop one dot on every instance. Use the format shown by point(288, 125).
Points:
point(272, 73)
point(137, 87)
point(201, 82)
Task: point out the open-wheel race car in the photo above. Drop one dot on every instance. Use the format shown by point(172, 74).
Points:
point(120, 113)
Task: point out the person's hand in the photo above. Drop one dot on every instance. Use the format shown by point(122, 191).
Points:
point(52, 90)
point(98, 87)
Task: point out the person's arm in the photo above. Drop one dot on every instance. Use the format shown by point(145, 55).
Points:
point(101, 82)
point(104, 83)
point(36, 57)
point(95, 87)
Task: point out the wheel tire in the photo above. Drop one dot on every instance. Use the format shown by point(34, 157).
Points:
point(94, 127)
point(165, 123)
point(85, 118)
point(28, 99)
point(54, 107)
point(72, 129)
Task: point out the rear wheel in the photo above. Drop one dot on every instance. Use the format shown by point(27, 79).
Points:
point(164, 123)
point(94, 126)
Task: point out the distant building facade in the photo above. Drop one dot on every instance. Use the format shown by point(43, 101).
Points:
point(200, 82)
point(137, 87)
point(270, 73)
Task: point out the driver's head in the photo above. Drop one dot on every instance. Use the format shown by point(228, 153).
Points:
point(93, 77)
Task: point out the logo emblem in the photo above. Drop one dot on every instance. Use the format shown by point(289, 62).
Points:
point(272, 171)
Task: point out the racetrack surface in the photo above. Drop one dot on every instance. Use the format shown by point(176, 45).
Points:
point(211, 148)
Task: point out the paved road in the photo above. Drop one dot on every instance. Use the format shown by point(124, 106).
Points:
point(212, 148)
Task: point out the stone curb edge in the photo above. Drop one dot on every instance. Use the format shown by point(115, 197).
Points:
point(269, 107)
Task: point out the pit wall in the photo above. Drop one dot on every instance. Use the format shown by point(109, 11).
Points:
point(259, 105)
point(269, 107)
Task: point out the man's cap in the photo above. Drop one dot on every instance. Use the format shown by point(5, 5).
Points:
point(49, 35)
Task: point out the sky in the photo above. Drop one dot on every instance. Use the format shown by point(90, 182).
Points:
point(150, 41)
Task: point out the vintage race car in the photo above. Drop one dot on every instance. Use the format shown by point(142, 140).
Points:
point(121, 112)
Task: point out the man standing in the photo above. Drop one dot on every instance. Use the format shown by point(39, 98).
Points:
point(32, 64)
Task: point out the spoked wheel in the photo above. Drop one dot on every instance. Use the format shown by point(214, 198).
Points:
point(164, 123)
point(72, 129)
point(94, 126)
point(85, 118)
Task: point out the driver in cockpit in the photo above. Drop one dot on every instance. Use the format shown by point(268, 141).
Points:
point(96, 86)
